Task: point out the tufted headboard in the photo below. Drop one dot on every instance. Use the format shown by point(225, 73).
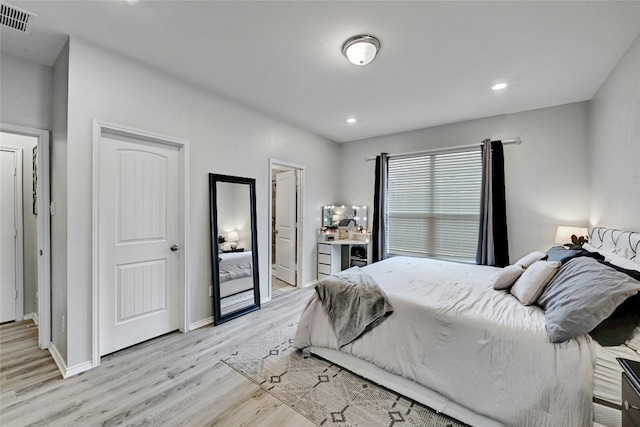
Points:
point(625, 243)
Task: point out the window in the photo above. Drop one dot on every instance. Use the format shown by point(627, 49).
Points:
point(433, 205)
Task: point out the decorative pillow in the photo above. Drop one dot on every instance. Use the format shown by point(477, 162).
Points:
point(581, 295)
point(533, 281)
point(527, 260)
point(506, 277)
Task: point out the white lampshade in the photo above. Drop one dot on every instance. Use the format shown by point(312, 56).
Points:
point(360, 50)
point(564, 233)
point(232, 236)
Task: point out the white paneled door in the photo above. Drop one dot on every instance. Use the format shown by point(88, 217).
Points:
point(8, 259)
point(139, 253)
point(286, 226)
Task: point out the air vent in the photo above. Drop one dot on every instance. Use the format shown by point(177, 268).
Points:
point(18, 19)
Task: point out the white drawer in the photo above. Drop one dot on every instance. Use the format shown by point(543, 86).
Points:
point(324, 248)
point(322, 276)
point(324, 259)
point(324, 269)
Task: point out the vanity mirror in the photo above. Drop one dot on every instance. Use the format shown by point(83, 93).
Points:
point(234, 248)
point(337, 215)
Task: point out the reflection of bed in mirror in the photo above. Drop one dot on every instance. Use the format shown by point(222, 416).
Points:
point(236, 280)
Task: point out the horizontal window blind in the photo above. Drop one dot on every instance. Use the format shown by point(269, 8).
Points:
point(433, 205)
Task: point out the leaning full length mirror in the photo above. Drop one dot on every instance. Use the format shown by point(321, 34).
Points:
point(234, 249)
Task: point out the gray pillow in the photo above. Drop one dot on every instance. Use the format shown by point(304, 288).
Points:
point(581, 295)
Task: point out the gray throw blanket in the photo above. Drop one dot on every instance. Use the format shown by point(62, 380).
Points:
point(354, 303)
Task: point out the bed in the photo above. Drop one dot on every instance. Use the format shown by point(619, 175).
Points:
point(236, 280)
point(477, 354)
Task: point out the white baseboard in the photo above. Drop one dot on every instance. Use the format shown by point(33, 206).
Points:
point(62, 366)
point(57, 357)
point(309, 284)
point(34, 317)
point(201, 323)
point(78, 369)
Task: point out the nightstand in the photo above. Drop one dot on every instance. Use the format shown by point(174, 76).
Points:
point(630, 393)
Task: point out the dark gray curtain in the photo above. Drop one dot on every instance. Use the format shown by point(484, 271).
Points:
point(493, 247)
point(379, 232)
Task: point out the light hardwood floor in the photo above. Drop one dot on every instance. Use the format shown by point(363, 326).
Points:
point(23, 366)
point(176, 379)
point(280, 288)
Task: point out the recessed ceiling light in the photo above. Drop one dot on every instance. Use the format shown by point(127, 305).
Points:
point(499, 86)
point(351, 120)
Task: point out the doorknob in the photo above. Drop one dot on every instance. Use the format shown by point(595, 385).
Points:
point(174, 248)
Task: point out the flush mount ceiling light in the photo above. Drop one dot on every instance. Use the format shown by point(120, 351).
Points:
point(499, 86)
point(351, 120)
point(360, 50)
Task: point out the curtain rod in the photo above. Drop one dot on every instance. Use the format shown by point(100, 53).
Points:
point(516, 141)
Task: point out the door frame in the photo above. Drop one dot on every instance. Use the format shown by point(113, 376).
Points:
point(182, 145)
point(300, 176)
point(44, 229)
point(18, 245)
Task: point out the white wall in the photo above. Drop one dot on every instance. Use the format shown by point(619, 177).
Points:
point(29, 220)
point(614, 146)
point(546, 177)
point(26, 92)
point(225, 138)
point(58, 183)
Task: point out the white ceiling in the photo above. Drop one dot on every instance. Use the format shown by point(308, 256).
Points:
point(437, 61)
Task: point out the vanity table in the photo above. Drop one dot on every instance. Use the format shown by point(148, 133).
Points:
point(335, 255)
point(341, 242)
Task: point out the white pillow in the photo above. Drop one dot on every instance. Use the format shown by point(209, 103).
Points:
point(527, 260)
point(590, 248)
point(625, 252)
point(530, 285)
point(622, 262)
point(506, 277)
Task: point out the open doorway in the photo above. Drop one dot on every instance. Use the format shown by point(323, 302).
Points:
point(28, 270)
point(286, 225)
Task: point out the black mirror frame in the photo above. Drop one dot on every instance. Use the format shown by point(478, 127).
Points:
point(213, 179)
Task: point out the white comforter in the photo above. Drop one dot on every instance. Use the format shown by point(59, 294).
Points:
point(234, 265)
point(452, 333)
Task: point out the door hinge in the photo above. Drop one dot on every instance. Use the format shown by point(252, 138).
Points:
point(15, 171)
point(16, 294)
point(40, 252)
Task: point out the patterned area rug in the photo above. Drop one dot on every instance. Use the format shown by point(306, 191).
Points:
point(323, 392)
